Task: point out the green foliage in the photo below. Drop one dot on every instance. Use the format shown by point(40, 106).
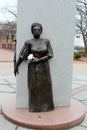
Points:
point(77, 56)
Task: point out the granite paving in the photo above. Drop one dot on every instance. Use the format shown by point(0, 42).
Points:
point(6, 125)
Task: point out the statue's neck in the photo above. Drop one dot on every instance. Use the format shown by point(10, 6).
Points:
point(36, 37)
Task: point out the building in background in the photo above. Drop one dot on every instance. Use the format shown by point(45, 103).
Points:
point(8, 35)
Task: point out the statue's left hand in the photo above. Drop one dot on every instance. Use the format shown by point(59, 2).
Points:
point(16, 71)
point(35, 60)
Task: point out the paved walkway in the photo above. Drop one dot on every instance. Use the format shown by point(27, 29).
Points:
point(8, 90)
point(6, 55)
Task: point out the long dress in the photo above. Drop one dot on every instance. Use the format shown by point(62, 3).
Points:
point(39, 79)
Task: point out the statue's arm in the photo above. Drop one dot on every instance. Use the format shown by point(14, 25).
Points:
point(22, 56)
point(19, 61)
point(49, 53)
point(50, 50)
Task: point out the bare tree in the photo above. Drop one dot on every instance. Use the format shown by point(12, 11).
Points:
point(8, 30)
point(12, 12)
point(81, 20)
point(11, 18)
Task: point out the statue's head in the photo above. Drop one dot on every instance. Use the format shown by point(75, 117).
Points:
point(36, 27)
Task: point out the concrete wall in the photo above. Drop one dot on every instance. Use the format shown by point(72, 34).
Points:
point(57, 19)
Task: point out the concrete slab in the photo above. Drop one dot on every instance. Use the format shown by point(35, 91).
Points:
point(85, 102)
point(85, 106)
point(80, 68)
point(80, 76)
point(22, 128)
point(80, 83)
point(6, 54)
point(6, 88)
point(76, 86)
point(11, 80)
point(81, 96)
point(7, 67)
point(13, 86)
point(2, 81)
point(84, 123)
point(5, 96)
point(79, 128)
point(5, 124)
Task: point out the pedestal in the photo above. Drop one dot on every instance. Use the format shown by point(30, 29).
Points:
point(60, 118)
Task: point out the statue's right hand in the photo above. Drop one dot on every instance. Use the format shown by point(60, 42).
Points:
point(16, 71)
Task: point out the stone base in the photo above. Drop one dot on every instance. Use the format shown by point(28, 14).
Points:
point(60, 118)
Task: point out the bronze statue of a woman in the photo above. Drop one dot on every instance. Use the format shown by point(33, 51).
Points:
point(39, 79)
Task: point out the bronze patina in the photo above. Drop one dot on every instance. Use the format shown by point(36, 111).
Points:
point(39, 79)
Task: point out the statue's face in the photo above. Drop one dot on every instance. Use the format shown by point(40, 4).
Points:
point(37, 31)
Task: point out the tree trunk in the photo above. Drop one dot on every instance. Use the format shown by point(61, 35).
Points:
point(85, 44)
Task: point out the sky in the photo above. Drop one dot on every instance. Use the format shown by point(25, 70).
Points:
point(4, 13)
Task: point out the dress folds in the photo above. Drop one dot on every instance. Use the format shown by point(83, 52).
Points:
point(38, 77)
